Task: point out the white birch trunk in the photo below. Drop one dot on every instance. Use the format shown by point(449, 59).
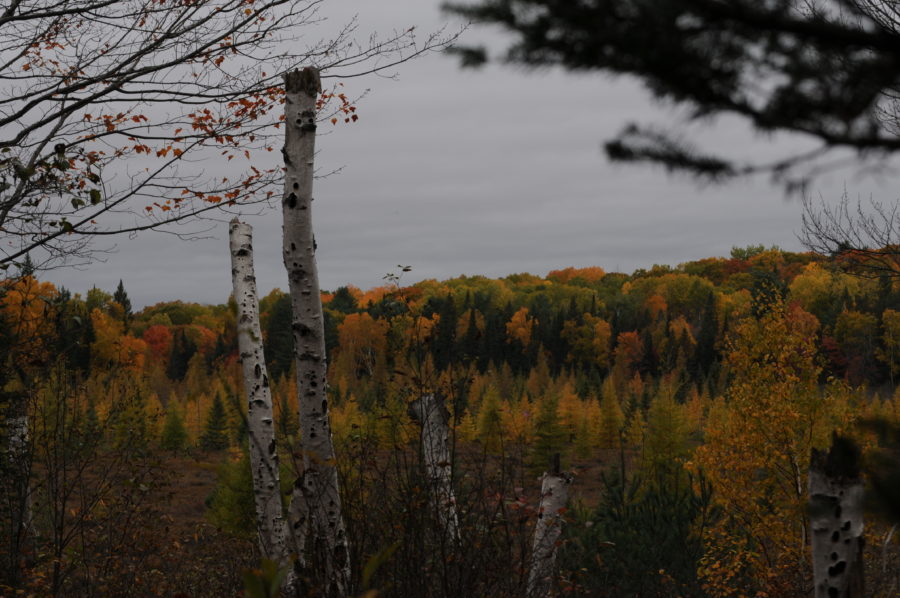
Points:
point(432, 415)
point(319, 481)
point(554, 496)
point(19, 459)
point(270, 522)
point(836, 521)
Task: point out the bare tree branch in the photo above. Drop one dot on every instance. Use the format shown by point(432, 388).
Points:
point(108, 107)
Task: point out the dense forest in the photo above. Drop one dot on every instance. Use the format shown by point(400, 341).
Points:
point(685, 400)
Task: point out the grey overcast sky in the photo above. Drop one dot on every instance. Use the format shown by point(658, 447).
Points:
point(481, 172)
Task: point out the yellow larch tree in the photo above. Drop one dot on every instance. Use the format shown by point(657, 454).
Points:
point(490, 421)
point(517, 420)
point(570, 410)
point(592, 415)
point(634, 429)
point(611, 417)
point(665, 446)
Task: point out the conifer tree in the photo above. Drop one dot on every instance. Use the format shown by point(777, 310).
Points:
point(180, 356)
point(471, 344)
point(215, 433)
point(121, 297)
point(634, 431)
point(279, 341)
point(570, 410)
point(549, 435)
point(583, 438)
point(665, 441)
point(129, 416)
point(174, 434)
point(611, 417)
point(445, 334)
point(705, 353)
point(490, 425)
point(343, 301)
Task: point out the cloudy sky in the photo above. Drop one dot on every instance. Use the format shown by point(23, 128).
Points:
point(481, 172)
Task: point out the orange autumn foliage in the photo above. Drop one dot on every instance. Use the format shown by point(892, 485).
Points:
point(520, 326)
point(159, 340)
point(27, 307)
point(589, 274)
point(112, 347)
point(756, 454)
point(363, 342)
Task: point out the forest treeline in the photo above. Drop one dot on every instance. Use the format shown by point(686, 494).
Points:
point(702, 387)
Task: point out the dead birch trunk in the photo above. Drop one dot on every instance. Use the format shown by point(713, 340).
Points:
point(433, 416)
point(319, 481)
point(554, 496)
point(836, 520)
point(18, 454)
point(270, 522)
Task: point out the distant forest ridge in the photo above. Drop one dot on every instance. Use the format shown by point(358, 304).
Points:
point(583, 322)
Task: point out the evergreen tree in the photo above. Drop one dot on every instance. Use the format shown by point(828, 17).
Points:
point(130, 421)
point(331, 332)
point(490, 424)
point(215, 433)
point(644, 538)
point(221, 349)
point(121, 297)
point(445, 334)
point(471, 342)
point(343, 301)
point(174, 434)
point(665, 442)
point(180, 356)
point(549, 435)
point(494, 339)
point(26, 267)
point(279, 339)
point(611, 417)
point(705, 353)
point(634, 431)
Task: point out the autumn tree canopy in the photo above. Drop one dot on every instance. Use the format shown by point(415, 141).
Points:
point(103, 104)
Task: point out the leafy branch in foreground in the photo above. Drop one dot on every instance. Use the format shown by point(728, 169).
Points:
point(107, 108)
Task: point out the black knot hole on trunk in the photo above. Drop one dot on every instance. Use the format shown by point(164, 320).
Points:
point(292, 200)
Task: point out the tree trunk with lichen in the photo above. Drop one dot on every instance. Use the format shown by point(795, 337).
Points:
point(554, 496)
point(431, 414)
point(270, 521)
point(318, 484)
point(836, 520)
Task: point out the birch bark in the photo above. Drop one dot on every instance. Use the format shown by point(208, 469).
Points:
point(17, 492)
point(836, 521)
point(319, 481)
point(431, 414)
point(270, 522)
point(554, 495)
